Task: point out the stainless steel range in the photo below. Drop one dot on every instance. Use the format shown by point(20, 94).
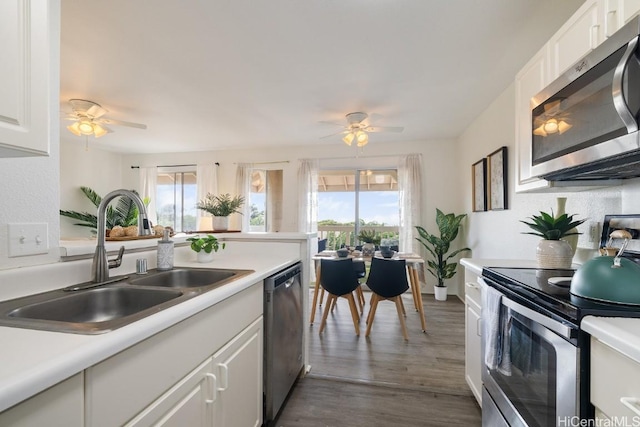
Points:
point(536, 372)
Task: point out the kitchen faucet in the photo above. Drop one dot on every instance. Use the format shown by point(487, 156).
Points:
point(101, 265)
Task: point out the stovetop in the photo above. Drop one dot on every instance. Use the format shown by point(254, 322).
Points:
point(532, 287)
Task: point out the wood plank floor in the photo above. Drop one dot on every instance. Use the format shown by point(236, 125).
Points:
point(384, 380)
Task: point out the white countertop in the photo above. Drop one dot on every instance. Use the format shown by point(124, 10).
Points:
point(477, 264)
point(617, 332)
point(32, 360)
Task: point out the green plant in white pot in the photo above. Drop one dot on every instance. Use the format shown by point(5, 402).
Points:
point(438, 246)
point(221, 207)
point(205, 247)
point(552, 251)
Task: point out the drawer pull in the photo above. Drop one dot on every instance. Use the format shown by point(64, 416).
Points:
point(224, 371)
point(472, 285)
point(633, 403)
point(213, 387)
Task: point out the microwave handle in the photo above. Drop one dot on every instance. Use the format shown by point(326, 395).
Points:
point(617, 91)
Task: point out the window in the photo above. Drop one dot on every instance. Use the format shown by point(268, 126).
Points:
point(351, 200)
point(176, 198)
point(265, 200)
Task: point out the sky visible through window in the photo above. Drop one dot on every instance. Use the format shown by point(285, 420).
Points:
point(379, 206)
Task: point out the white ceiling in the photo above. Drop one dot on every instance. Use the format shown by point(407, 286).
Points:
point(219, 74)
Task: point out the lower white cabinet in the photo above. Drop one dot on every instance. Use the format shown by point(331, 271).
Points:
point(615, 385)
point(224, 390)
point(58, 406)
point(201, 370)
point(473, 334)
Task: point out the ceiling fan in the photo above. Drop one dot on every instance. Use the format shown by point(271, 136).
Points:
point(88, 117)
point(358, 128)
point(554, 119)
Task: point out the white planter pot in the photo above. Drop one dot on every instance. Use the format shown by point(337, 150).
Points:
point(554, 254)
point(205, 257)
point(440, 293)
point(220, 223)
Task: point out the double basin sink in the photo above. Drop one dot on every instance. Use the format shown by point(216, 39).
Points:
point(99, 308)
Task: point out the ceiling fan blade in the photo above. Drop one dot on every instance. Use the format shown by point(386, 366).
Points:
point(396, 129)
point(334, 134)
point(331, 123)
point(122, 123)
point(95, 111)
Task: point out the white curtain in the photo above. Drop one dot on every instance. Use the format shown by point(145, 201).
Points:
point(308, 196)
point(206, 182)
point(243, 182)
point(148, 185)
point(410, 189)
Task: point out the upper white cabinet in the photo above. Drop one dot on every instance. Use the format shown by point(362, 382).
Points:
point(577, 37)
point(529, 81)
point(29, 46)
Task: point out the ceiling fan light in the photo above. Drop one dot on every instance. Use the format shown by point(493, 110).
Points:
point(99, 131)
point(563, 126)
point(348, 138)
point(551, 126)
point(85, 127)
point(539, 131)
point(362, 138)
point(73, 128)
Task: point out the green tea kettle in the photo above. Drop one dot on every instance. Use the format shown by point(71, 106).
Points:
point(609, 278)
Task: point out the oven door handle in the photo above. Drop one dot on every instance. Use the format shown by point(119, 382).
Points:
point(548, 322)
point(619, 102)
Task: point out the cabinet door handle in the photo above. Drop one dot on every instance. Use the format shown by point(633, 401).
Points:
point(479, 326)
point(224, 373)
point(472, 285)
point(593, 36)
point(213, 381)
point(609, 23)
point(632, 403)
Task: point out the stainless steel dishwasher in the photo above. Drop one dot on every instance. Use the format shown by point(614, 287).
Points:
point(283, 323)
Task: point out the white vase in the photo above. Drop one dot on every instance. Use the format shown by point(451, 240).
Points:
point(440, 293)
point(220, 223)
point(554, 254)
point(205, 257)
point(561, 203)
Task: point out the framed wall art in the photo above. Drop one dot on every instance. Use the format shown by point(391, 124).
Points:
point(497, 164)
point(479, 185)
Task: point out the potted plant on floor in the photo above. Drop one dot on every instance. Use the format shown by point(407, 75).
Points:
point(221, 207)
point(369, 240)
point(205, 246)
point(552, 251)
point(438, 246)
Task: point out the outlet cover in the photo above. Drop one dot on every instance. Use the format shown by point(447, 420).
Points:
point(28, 239)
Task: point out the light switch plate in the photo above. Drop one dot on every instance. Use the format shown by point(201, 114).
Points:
point(28, 239)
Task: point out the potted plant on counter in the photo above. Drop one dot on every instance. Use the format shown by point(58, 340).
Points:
point(438, 246)
point(205, 246)
point(221, 207)
point(552, 251)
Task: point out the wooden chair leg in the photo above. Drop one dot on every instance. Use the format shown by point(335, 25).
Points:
point(372, 313)
point(332, 303)
point(354, 312)
point(402, 305)
point(358, 291)
point(399, 309)
point(361, 296)
point(321, 295)
point(326, 312)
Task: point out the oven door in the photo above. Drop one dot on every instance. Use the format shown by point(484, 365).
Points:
point(538, 384)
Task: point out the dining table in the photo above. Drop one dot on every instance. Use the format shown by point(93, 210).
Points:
point(415, 267)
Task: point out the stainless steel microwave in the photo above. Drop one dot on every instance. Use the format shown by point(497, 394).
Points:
point(584, 125)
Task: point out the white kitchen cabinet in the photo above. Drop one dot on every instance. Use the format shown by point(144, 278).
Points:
point(166, 376)
point(529, 81)
point(58, 406)
point(615, 384)
point(473, 334)
point(29, 46)
point(617, 13)
point(238, 370)
point(577, 37)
